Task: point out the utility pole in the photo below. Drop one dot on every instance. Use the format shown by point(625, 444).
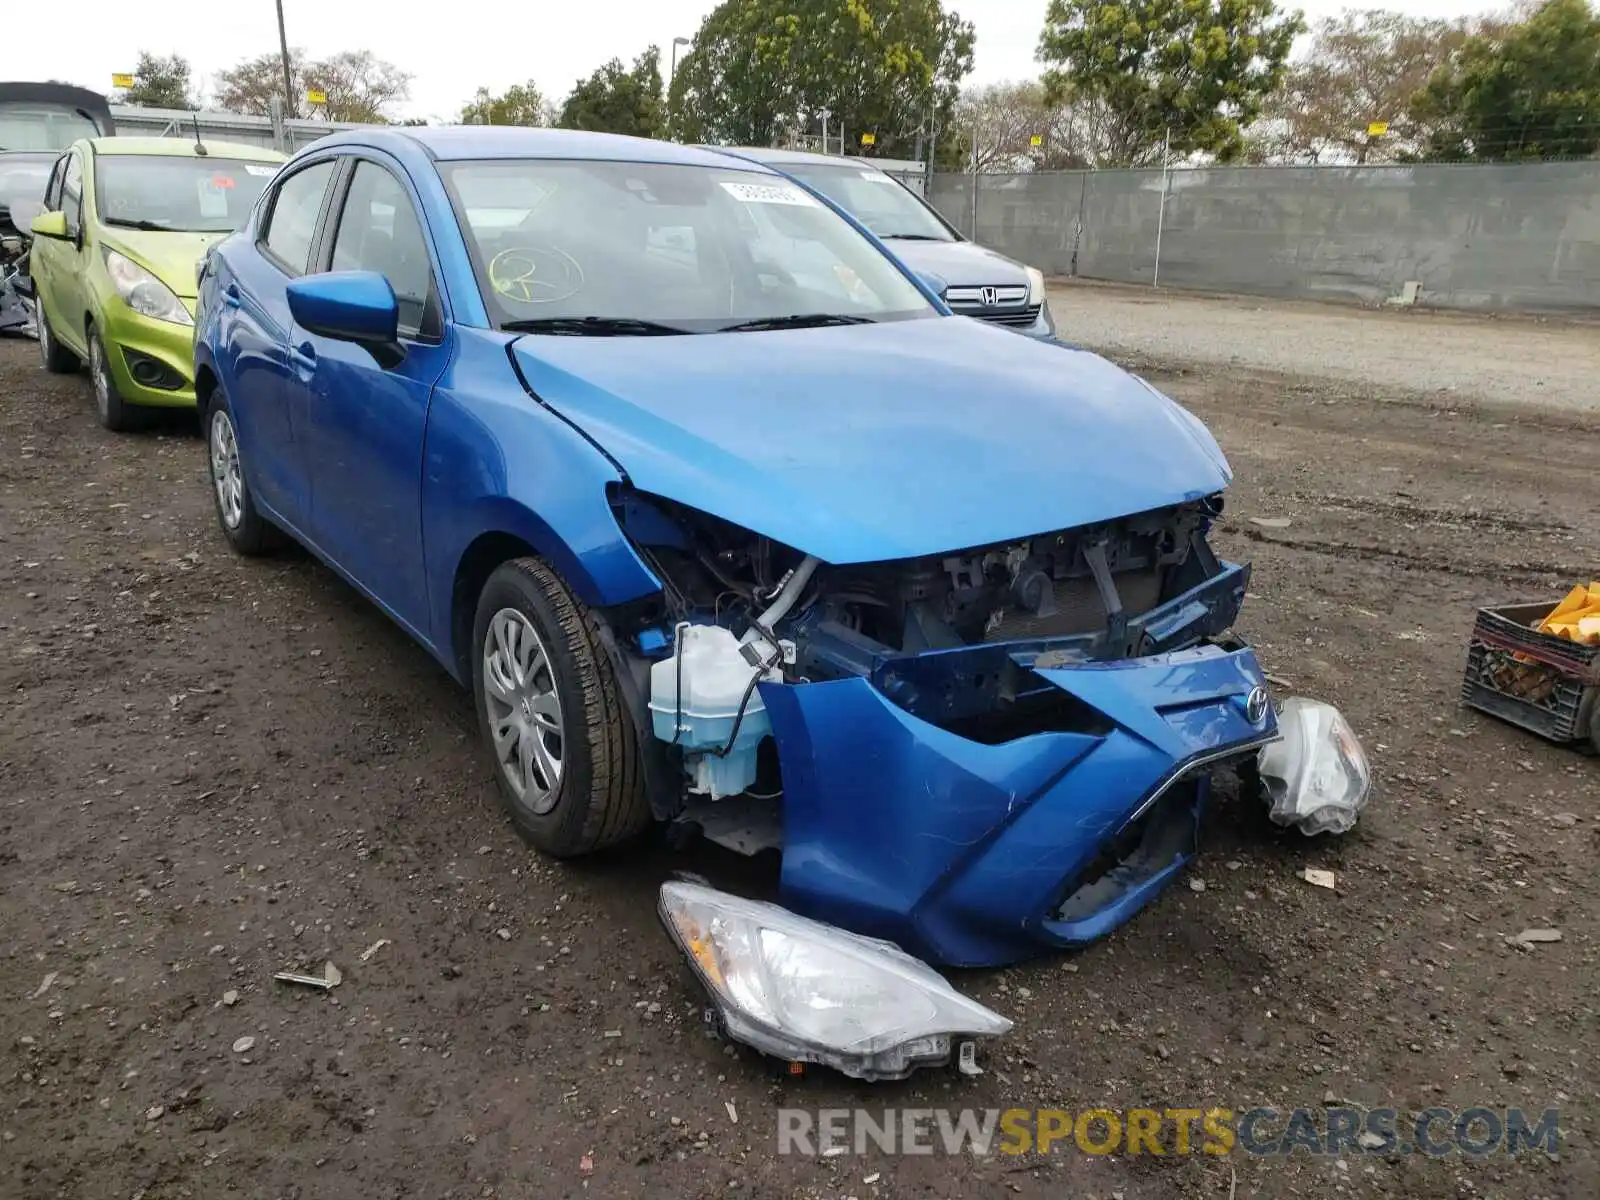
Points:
point(290, 108)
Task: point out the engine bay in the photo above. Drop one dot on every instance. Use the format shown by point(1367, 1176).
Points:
point(951, 638)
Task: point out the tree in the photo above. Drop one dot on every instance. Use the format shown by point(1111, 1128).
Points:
point(1192, 71)
point(248, 87)
point(1003, 120)
point(519, 104)
point(159, 83)
point(1363, 67)
point(618, 100)
point(359, 86)
point(1528, 90)
point(757, 68)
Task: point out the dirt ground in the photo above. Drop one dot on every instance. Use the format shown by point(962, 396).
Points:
point(212, 769)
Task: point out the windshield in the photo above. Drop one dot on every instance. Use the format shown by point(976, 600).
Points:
point(872, 198)
point(198, 195)
point(27, 125)
point(691, 248)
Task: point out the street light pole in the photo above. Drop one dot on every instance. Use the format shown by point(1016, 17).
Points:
point(290, 109)
point(672, 72)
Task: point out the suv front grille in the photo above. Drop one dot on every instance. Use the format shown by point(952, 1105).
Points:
point(1004, 305)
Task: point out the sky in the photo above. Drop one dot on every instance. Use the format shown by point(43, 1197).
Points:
point(485, 43)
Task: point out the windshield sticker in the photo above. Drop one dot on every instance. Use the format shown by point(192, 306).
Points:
point(222, 181)
point(260, 172)
point(213, 199)
point(767, 193)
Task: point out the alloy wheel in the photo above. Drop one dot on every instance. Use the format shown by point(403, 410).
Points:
point(98, 372)
point(520, 695)
point(226, 474)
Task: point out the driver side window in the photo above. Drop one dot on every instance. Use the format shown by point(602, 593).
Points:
point(72, 195)
point(52, 191)
point(378, 231)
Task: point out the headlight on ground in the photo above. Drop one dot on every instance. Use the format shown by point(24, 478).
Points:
point(1035, 285)
point(1316, 776)
point(808, 992)
point(143, 292)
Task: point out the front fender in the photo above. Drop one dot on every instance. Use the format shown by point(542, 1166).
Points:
point(499, 462)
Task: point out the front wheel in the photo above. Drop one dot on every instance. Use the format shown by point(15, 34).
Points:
point(115, 413)
point(53, 356)
point(247, 530)
point(566, 753)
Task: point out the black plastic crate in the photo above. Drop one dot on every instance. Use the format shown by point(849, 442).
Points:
point(1543, 683)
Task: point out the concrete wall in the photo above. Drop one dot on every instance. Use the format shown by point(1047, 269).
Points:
point(1496, 238)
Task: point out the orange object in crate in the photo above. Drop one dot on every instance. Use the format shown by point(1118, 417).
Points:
point(1521, 672)
point(1577, 618)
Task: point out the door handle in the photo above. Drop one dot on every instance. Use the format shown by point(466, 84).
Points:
point(304, 357)
point(230, 295)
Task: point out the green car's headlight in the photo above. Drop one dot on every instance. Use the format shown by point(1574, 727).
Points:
point(143, 292)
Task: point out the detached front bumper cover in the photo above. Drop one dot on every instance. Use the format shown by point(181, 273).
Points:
point(803, 991)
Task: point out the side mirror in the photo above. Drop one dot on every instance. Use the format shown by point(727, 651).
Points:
point(350, 306)
point(51, 225)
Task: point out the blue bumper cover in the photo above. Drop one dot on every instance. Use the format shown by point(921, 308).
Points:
point(964, 852)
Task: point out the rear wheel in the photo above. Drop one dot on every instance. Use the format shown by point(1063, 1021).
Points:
point(115, 414)
point(566, 753)
point(53, 356)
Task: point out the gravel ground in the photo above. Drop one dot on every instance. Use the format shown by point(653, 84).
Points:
point(1509, 360)
point(213, 769)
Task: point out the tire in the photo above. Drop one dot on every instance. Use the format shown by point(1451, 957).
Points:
point(115, 414)
point(53, 356)
point(247, 531)
point(598, 796)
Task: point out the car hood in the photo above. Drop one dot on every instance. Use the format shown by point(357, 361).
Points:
point(170, 257)
point(873, 442)
point(960, 264)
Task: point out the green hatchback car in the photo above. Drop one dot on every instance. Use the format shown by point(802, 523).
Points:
point(115, 257)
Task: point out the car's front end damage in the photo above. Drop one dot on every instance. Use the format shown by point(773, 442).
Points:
point(974, 754)
point(934, 613)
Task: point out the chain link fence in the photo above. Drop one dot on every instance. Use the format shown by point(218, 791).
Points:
point(1523, 238)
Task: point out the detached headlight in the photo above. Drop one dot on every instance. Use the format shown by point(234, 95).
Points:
point(808, 992)
point(143, 292)
point(1035, 285)
point(1316, 776)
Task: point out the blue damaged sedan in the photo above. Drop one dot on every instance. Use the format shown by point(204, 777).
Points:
point(727, 523)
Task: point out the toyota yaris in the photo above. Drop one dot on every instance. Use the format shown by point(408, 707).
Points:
point(727, 522)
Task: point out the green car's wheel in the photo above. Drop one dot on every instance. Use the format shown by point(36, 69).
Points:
point(53, 356)
point(566, 754)
point(115, 414)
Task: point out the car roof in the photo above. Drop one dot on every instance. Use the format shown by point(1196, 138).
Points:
point(457, 142)
point(181, 147)
point(780, 158)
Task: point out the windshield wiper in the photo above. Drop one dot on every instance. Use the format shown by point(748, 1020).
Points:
point(593, 327)
point(796, 321)
point(151, 226)
point(911, 237)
